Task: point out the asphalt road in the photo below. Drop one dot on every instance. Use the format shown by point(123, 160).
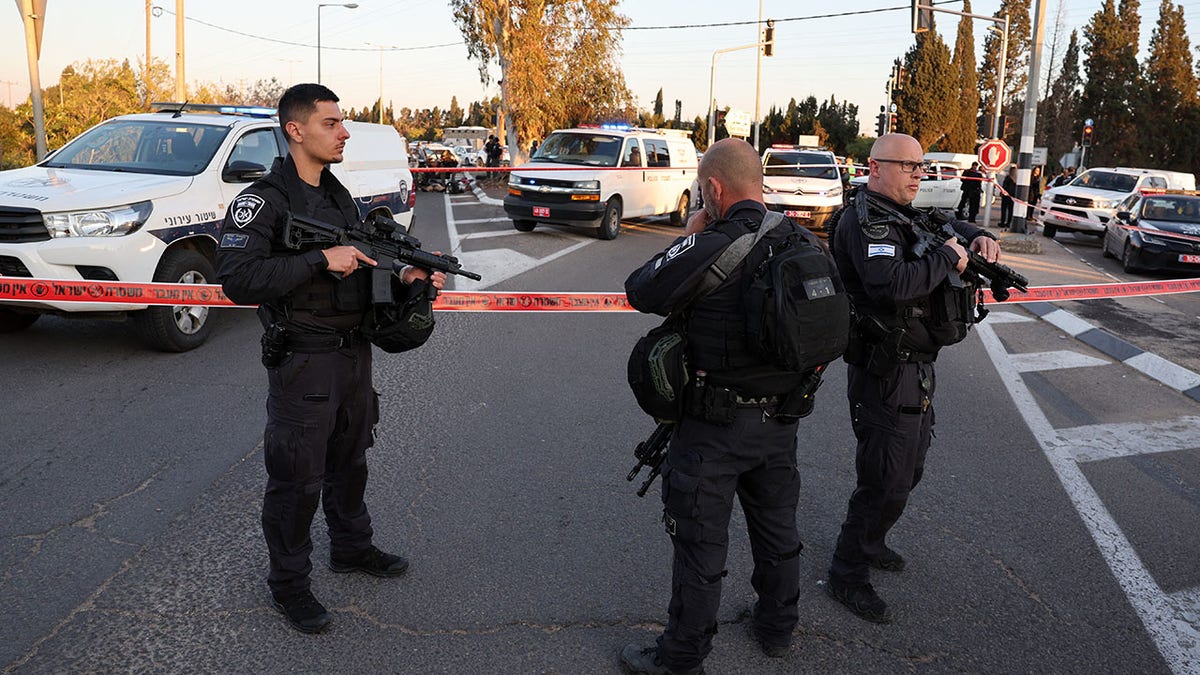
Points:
point(134, 479)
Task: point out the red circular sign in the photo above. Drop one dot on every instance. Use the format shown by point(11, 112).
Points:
point(994, 154)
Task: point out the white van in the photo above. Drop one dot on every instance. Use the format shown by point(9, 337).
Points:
point(614, 172)
point(140, 198)
point(1090, 201)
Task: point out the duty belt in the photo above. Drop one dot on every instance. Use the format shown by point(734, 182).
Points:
point(751, 402)
point(313, 343)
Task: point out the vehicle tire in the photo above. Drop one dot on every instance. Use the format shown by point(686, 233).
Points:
point(1127, 263)
point(182, 327)
point(12, 321)
point(610, 224)
point(1049, 230)
point(525, 225)
point(1104, 247)
point(679, 216)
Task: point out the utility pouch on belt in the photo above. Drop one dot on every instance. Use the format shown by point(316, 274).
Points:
point(713, 404)
point(274, 345)
point(800, 402)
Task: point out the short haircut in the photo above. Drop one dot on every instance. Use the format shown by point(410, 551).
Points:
point(300, 101)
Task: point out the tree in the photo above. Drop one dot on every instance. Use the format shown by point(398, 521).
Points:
point(1169, 98)
point(964, 126)
point(454, 116)
point(658, 104)
point(1016, 63)
point(1113, 80)
point(926, 104)
point(840, 123)
point(557, 60)
point(1059, 110)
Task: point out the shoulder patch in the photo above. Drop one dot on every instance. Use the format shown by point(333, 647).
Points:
point(234, 240)
point(876, 230)
point(886, 250)
point(680, 248)
point(245, 208)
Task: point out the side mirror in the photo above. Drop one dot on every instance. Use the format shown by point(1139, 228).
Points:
point(1123, 216)
point(241, 171)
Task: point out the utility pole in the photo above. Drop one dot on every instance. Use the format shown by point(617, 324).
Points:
point(1025, 157)
point(180, 82)
point(34, 19)
point(10, 83)
point(146, 70)
point(757, 76)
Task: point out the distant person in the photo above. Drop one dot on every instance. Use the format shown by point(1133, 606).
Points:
point(533, 147)
point(1006, 202)
point(972, 189)
point(1067, 176)
point(1035, 192)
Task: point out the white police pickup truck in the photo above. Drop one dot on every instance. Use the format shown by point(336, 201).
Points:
point(140, 198)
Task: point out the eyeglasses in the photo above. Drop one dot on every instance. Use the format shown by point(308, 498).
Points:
point(905, 165)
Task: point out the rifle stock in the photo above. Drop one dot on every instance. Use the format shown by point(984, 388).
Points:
point(651, 452)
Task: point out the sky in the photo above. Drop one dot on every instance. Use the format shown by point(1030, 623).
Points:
point(418, 49)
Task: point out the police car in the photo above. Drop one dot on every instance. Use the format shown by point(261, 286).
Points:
point(1156, 230)
point(803, 183)
point(614, 172)
point(140, 198)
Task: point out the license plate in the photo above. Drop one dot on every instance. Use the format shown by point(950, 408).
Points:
point(798, 214)
point(1186, 258)
point(541, 211)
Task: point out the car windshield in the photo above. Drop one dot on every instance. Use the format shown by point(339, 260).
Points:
point(1172, 209)
point(1106, 180)
point(799, 163)
point(578, 147)
point(142, 146)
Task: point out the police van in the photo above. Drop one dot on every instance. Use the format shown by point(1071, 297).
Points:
point(803, 183)
point(140, 198)
point(612, 172)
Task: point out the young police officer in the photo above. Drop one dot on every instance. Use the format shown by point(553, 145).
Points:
point(321, 405)
point(735, 446)
point(891, 353)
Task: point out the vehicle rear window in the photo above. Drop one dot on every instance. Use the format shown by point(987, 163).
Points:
point(142, 146)
point(799, 163)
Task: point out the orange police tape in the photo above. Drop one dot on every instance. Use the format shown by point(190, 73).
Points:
point(61, 290)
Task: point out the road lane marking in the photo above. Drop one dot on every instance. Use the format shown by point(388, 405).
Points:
point(1167, 621)
point(1098, 442)
point(1039, 361)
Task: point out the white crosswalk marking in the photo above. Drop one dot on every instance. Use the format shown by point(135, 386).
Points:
point(1036, 361)
point(1171, 619)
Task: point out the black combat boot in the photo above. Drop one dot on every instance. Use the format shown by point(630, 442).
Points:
point(372, 561)
point(862, 600)
point(303, 611)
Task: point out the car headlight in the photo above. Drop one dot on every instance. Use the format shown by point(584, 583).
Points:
point(835, 192)
point(117, 221)
point(1105, 203)
point(587, 185)
point(767, 189)
point(513, 181)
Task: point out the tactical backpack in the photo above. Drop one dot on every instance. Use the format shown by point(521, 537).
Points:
point(658, 371)
point(797, 312)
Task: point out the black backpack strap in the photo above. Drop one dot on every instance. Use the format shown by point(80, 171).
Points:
point(735, 253)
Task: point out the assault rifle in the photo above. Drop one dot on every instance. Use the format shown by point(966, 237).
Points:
point(935, 226)
point(651, 452)
point(380, 238)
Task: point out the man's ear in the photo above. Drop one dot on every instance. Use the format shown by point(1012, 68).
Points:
point(293, 131)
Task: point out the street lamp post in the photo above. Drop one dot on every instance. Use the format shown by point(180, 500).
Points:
point(347, 5)
point(381, 48)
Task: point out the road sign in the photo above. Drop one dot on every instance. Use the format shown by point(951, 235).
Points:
point(1039, 156)
point(737, 123)
point(994, 154)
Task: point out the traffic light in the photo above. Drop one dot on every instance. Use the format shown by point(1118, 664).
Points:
point(881, 125)
point(892, 123)
point(768, 47)
point(1088, 131)
point(922, 15)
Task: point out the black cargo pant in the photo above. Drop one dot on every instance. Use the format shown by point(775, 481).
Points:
point(754, 458)
point(321, 415)
point(968, 205)
point(893, 420)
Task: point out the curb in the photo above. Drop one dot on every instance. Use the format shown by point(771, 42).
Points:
point(1151, 365)
point(483, 197)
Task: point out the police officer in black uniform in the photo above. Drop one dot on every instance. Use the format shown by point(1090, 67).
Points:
point(890, 374)
point(739, 445)
point(321, 405)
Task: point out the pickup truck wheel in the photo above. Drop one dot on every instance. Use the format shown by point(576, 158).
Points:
point(525, 225)
point(13, 321)
point(1049, 230)
point(610, 224)
point(679, 216)
point(182, 327)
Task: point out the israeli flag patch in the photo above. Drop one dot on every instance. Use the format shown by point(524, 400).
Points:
point(234, 240)
point(886, 250)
